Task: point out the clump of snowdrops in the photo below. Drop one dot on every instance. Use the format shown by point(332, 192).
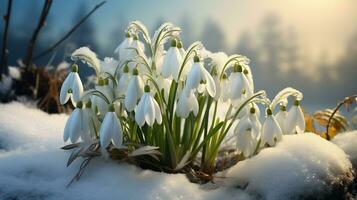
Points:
point(170, 108)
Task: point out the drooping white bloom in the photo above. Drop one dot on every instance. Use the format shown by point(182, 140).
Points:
point(148, 109)
point(134, 91)
point(122, 50)
point(111, 130)
point(172, 62)
point(72, 87)
point(239, 84)
point(77, 126)
point(271, 131)
point(123, 82)
point(222, 87)
point(281, 118)
point(247, 133)
point(91, 123)
point(198, 75)
point(187, 103)
point(244, 134)
point(295, 122)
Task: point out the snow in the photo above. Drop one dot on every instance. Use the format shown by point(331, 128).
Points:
point(348, 143)
point(300, 165)
point(33, 167)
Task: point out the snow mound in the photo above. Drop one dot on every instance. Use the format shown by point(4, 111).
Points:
point(302, 165)
point(33, 167)
point(25, 127)
point(348, 142)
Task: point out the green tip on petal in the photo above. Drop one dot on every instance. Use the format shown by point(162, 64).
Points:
point(89, 104)
point(74, 68)
point(135, 37)
point(296, 103)
point(147, 88)
point(173, 43)
point(269, 112)
point(127, 35)
point(79, 104)
point(126, 69)
point(111, 108)
point(252, 110)
point(283, 108)
point(179, 45)
point(135, 72)
point(196, 59)
point(237, 68)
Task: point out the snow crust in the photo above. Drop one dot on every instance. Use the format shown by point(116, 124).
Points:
point(33, 167)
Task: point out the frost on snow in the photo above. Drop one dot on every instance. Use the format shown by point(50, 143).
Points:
point(33, 167)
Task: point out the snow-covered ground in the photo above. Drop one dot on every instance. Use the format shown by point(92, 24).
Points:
point(33, 167)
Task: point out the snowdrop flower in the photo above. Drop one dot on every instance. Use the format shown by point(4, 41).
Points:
point(123, 82)
point(90, 121)
point(222, 86)
point(72, 87)
point(271, 131)
point(181, 49)
point(295, 122)
point(172, 62)
point(281, 118)
point(104, 87)
point(247, 133)
point(76, 127)
point(240, 87)
point(148, 109)
point(123, 51)
point(111, 130)
point(198, 75)
point(187, 103)
point(134, 91)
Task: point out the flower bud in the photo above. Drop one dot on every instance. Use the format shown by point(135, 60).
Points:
point(252, 110)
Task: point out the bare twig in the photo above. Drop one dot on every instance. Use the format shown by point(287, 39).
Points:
point(345, 101)
point(44, 13)
point(4, 51)
point(74, 28)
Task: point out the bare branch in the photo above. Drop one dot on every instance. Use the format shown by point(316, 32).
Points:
point(4, 51)
point(73, 29)
point(44, 13)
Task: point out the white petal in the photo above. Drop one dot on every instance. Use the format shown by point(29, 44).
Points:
point(210, 85)
point(149, 111)
point(300, 121)
point(157, 112)
point(194, 76)
point(131, 95)
point(139, 113)
point(105, 130)
point(280, 118)
point(193, 103)
point(75, 128)
point(66, 131)
point(182, 109)
point(64, 95)
point(117, 132)
point(77, 88)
